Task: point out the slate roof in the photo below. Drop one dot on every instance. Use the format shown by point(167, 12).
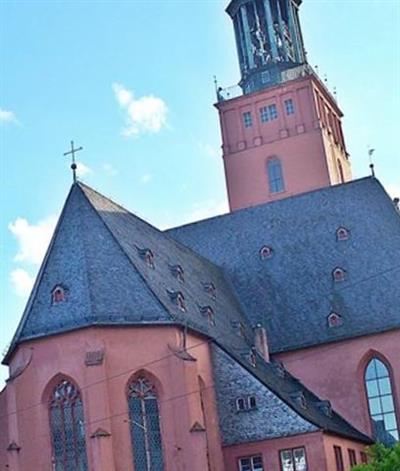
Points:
point(98, 253)
point(293, 292)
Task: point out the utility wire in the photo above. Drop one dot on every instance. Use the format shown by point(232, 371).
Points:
point(214, 338)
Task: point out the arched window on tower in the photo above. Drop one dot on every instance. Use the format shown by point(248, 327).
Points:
point(341, 173)
point(145, 425)
point(275, 176)
point(67, 428)
point(380, 400)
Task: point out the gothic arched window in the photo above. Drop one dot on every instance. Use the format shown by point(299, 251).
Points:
point(275, 176)
point(380, 400)
point(67, 428)
point(145, 425)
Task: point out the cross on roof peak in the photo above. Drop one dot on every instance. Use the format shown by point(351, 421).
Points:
point(73, 164)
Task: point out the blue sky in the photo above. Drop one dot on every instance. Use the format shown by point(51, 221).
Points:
point(75, 69)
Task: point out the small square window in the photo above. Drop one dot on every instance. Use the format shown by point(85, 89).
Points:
point(289, 107)
point(273, 112)
point(247, 119)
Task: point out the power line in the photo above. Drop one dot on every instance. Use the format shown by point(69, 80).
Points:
point(214, 338)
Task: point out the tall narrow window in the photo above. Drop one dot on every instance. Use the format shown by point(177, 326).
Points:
point(67, 428)
point(275, 176)
point(289, 106)
point(380, 399)
point(338, 458)
point(247, 119)
point(145, 426)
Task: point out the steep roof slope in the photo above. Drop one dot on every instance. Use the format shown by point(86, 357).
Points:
point(99, 254)
point(293, 292)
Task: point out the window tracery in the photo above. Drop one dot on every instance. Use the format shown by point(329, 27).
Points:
point(145, 425)
point(67, 427)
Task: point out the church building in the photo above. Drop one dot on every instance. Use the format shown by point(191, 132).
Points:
point(265, 339)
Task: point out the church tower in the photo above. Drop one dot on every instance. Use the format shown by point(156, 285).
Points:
point(281, 127)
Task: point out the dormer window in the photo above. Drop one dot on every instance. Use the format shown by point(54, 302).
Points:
point(246, 403)
point(334, 320)
point(338, 274)
point(147, 256)
point(177, 272)
point(342, 234)
point(58, 295)
point(265, 252)
point(209, 313)
point(210, 289)
point(326, 408)
point(300, 399)
point(178, 299)
point(240, 404)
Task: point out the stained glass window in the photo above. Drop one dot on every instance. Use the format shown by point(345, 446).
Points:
point(67, 428)
point(145, 426)
point(380, 399)
point(275, 176)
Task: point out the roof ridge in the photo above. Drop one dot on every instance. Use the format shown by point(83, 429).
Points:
point(277, 202)
point(161, 232)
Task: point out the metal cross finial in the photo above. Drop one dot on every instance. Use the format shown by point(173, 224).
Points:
point(73, 164)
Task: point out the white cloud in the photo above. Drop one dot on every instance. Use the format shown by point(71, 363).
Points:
point(82, 170)
point(146, 178)
point(33, 239)
point(110, 170)
point(22, 282)
point(207, 149)
point(7, 116)
point(147, 114)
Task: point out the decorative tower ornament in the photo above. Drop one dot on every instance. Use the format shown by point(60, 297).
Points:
point(281, 126)
point(268, 40)
point(73, 163)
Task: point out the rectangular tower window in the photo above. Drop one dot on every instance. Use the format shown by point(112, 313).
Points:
point(264, 116)
point(273, 112)
point(251, 463)
point(289, 107)
point(338, 458)
point(247, 119)
point(293, 459)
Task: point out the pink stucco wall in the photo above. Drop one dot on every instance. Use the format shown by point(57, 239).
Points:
point(318, 447)
point(336, 372)
point(127, 351)
point(309, 143)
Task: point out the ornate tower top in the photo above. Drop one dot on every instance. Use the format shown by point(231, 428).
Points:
point(268, 39)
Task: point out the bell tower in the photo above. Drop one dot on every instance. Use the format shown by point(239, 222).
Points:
point(281, 127)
